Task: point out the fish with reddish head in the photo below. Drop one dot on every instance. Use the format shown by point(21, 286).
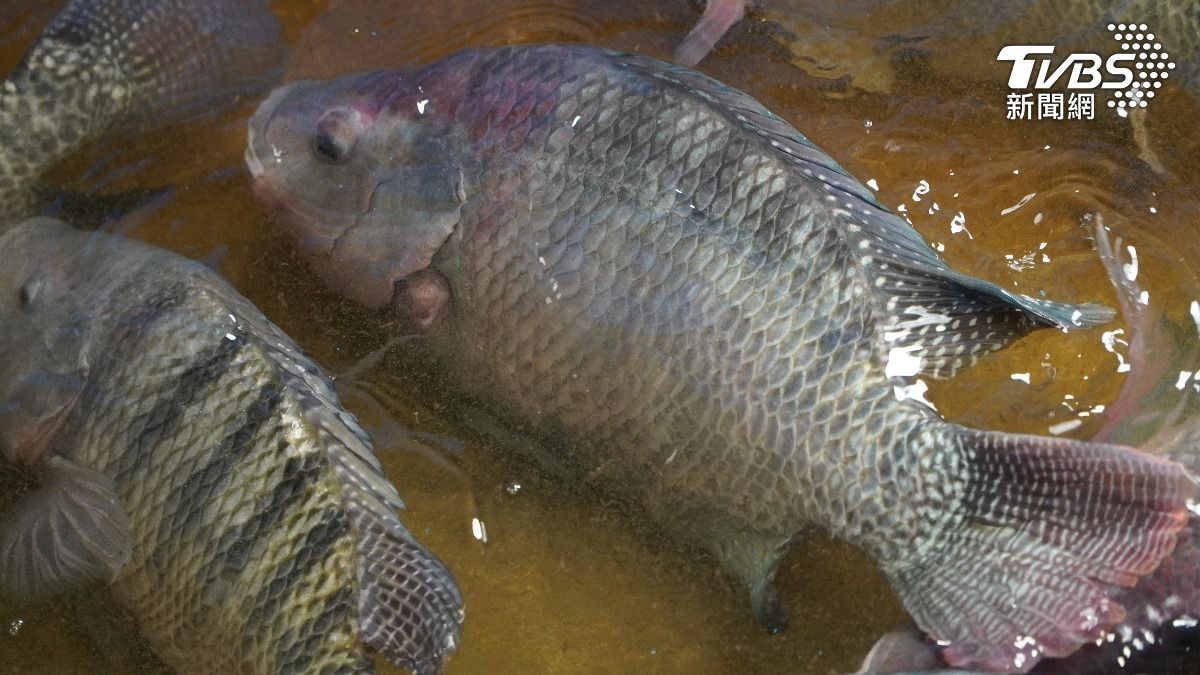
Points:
point(719, 321)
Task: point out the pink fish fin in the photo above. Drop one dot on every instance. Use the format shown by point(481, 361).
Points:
point(1020, 556)
point(718, 16)
point(175, 59)
point(1143, 324)
point(1172, 590)
point(68, 532)
point(1127, 289)
point(901, 651)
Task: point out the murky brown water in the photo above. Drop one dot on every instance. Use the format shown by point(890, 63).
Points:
point(567, 583)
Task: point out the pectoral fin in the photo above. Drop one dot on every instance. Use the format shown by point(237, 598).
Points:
point(35, 406)
point(68, 532)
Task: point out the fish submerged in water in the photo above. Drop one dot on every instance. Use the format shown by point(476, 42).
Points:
point(110, 64)
point(718, 17)
point(646, 262)
point(184, 450)
point(190, 455)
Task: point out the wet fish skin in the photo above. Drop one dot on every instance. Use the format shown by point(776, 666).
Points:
point(108, 64)
point(200, 463)
point(647, 263)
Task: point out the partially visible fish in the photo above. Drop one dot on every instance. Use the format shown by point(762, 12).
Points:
point(955, 38)
point(1156, 414)
point(1161, 413)
point(716, 319)
point(718, 16)
point(193, 458)
point(107, 64)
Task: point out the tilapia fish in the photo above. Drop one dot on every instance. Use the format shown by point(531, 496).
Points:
point(957, 39)
point(716, 317)
point(115, 64)
point(191, 456)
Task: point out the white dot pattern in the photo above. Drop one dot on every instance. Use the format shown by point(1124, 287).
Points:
point(1152, 65)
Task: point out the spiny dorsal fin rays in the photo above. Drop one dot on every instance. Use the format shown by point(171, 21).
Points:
point(939, 319)
point(410, 608)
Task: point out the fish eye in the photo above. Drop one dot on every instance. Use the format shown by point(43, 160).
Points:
point(337, 133)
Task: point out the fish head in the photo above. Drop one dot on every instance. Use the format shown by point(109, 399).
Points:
point(363, 173)
point(43, 339)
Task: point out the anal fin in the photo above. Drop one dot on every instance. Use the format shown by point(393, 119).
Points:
point(941, 321)
point(68, 532)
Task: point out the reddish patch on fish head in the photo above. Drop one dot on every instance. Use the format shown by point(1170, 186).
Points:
point(494, 96)
point(363, 176)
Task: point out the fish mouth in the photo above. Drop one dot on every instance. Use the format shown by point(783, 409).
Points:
point(253, 138)
point(256, 131)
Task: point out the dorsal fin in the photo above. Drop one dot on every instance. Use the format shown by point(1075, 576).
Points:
point(940, 320)
point(409, 609)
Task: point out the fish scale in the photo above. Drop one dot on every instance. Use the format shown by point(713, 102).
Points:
point(719, 353)
point(103, 65)
point(186, 452)
point(601, 107)
point(262, 534)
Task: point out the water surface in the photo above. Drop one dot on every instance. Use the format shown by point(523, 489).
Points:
point(557, 581)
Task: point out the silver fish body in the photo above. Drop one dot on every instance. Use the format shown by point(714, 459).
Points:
point(193, 457)
point(712, 318)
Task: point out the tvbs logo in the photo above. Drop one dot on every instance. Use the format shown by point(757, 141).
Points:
point(1131, 75)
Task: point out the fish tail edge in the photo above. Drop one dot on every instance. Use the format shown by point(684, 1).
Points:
point(1021, 564)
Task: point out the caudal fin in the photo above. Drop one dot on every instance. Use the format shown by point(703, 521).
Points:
point(412, 611)
point(1021, 565)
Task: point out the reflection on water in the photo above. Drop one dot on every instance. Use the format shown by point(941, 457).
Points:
point(560, 582)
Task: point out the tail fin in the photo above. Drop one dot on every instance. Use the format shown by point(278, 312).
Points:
point(1173, 590)
point(410, 609)
point(411, 612)
point(1152, 624)
point(1020, 567)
